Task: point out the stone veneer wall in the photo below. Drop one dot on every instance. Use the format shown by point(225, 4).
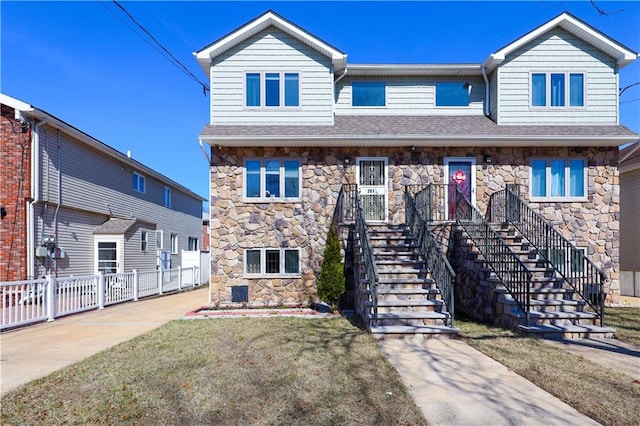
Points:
point(236, 225)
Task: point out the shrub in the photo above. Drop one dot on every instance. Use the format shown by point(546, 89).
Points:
point(331, 283)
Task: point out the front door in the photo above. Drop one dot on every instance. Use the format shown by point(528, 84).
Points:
point(372, 188)
point(461, 174)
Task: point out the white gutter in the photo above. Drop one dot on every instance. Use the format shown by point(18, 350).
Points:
point(204, 152)
point(35, 197)
point(341, 76)
point(486, 90)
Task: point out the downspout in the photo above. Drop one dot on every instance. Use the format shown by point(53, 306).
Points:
point(55, 215)
point(35, 198)
point(486, 90)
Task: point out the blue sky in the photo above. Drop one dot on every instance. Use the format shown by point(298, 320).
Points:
point(80, 63)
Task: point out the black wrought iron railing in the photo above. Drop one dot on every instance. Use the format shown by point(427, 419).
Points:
point(441, 271)
point(569, 261)
point(431, 200)
point(499, 257)
point(367, 257)
point(344, 212)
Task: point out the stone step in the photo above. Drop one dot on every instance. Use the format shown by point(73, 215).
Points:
point(569, 331)
point(409, 291)
point(395, 253)
point(401, 270)
point(413, 315)
point(400, 262)
point(411, 303)
point(406, 331)
point(404, 281)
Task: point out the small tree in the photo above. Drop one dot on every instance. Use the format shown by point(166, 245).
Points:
point(331, 283)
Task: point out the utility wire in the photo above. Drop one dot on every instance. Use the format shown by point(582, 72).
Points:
point(167, 54)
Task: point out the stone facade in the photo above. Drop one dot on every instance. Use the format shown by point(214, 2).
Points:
point(237, 225)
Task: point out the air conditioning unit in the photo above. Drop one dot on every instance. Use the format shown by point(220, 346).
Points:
point(42, 252)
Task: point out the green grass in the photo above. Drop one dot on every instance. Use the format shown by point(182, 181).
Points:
point(605, 395)
point(225, 371)
point(626, 321)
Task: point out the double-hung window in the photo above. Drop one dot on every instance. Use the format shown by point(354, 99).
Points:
point(272, 179)
point(144, 241)
point(174, 243)
point(452, 93)
point(561, 89)
point(280, 89)
point(368, 94)
point(138, 182)
point(267, 261)
point(558, 179)
point(166, 196)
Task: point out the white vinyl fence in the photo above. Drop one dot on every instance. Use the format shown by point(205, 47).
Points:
point(31, 301)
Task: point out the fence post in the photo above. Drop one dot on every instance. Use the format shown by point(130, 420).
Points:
point(179, 278)
point(135, 285)
point(101, 289)
point(160, 280)
point(51, 298)
point(196, 274)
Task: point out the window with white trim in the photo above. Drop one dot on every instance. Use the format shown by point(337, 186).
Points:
point(174, 243)
point(158, 240)
point(570, 259)
point(272, 261)
point(272, 179)
point(558, 179)
point(138, 182)
point(368, 94)
point(166, 196)
point(144, 241)
point(192, 243)
point(557, 89)
point(452, 93)
point(280, 89)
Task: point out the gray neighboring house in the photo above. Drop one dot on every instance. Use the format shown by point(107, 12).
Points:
point(630, 220)
point(85, 207)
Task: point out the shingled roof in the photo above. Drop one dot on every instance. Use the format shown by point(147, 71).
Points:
point(365, 130)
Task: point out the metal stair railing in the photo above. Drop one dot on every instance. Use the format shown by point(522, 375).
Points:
point(344, 212)
point(370, 269)
point(506, 264)
point(431, 200)
point(441, 271)
point(586, 278)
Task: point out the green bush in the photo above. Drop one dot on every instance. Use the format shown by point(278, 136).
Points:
point(331, 283)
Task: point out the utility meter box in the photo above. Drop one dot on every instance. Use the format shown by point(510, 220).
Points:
point(58, 253)
point(42, 252)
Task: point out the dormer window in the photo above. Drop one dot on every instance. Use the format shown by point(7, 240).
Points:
point(452, 94)
point(368, 94)
point(558, 89)
point(280, 89)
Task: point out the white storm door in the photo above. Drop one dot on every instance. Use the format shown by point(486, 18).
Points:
point(108, 256)
point(372, 188)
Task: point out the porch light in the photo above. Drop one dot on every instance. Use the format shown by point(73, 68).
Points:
point(487, 159)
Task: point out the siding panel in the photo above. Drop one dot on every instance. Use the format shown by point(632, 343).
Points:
point(630, 220)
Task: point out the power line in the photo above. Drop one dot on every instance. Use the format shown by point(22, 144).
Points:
point(164, 51)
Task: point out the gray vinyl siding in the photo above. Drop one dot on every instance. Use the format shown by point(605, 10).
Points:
point(410, 96)
point(557, 51)
point(630, 220)
point(493, 95)
point(95, 187)
point(271, 51)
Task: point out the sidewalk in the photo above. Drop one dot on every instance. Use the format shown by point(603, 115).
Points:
point(38, 350)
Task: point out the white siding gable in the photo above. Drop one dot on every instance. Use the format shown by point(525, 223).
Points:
point(271, 51)
point(557, 51)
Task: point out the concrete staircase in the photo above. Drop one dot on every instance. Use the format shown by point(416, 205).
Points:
point(556, 309)
point(409, 302)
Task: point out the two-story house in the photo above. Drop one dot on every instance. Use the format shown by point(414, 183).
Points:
point(293, 123)
point(72, 205)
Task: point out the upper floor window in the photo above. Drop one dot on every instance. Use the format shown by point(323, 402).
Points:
point(557, 89)
point(454, 93)
point(166, 196)
point(368, 94)
point(279, 261)
point(174, 243)
point(280, 89)
point(138, 182)
point(269, 179)
point(192, 244)
point(158, 240)
point(558, 178)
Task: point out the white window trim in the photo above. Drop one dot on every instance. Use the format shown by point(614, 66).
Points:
point(197, 240)
point(263, 199)
point(566, 198)
point(435, 95)
point(144, 180)
point(144, 238)
point(567, 91)
point(386, 95)
point(159, 241)
point(263, 90)
point(175, 247)
point(166, 200)
point(263, 259)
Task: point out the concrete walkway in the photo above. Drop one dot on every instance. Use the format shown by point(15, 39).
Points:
point(38, 350)
point(452, 383)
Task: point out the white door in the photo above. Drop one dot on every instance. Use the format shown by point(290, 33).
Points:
point(108, 255)
point(372, 188)
point(461, 174)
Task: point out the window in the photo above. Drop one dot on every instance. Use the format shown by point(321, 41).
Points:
point(558, 179)
point(557, 89)
point(280, 89)
point(271, 179)
point(138, 182)
point(144, 241)
point(368, 94)
point(570, 259)
point(174, 243)
point(272, 261)
point(166, 196)
point(159, 240)
point(452, 93)
point(193, 244)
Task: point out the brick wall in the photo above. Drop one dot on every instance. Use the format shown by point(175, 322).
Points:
point(15, 190)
